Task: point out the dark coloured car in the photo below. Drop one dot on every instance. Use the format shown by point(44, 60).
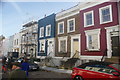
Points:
point(96, 71)
point(33, 66)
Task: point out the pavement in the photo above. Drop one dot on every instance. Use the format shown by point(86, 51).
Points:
point(56, 70)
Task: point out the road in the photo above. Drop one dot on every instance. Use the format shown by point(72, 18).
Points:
point(48, 75)
point(0, 70)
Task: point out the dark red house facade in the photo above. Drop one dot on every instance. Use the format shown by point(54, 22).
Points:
point(99, 30)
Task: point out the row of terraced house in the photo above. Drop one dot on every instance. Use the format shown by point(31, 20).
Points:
point(85, 32)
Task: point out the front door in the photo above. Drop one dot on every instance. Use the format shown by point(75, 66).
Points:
point(76, 48)
point(50, 48)
point(115, 45)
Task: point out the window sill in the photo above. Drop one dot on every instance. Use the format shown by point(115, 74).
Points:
point(105, 22)
point(71, 31)
point(88, 25)
point(92, 50)
point(60, 33)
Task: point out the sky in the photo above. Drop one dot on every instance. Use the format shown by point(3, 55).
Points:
point(14, 14)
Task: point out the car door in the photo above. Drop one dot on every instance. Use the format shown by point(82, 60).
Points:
point(96, 71)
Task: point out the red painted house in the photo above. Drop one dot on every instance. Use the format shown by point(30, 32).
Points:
point(99, 30)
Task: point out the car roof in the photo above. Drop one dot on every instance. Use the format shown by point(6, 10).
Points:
point(95, 63)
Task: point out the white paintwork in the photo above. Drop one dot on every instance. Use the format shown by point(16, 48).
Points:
point(100, 13)
point(59, 26)
point(108, 35)
point(91, 32)
point(91, 57)
point(69, 26)
point(85, 23)
point(76, 36)
point(62, 38)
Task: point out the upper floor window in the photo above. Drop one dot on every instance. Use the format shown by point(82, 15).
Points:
point(105, 14)
point(93, 39)
point(42, 32)
point(71, 25)
point(88, 19)
point(48, 30)
point(61, 28)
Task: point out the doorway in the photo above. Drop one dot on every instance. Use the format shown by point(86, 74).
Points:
point(115, 46)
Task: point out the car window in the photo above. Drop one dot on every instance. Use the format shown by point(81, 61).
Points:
point(117, 66)
point(100, 68)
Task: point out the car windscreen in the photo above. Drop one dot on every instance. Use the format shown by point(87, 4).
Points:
point(117, 66)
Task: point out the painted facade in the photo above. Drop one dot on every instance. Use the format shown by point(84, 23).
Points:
point(46, 34)
point(16, 42)
point(99, 30)
point(68, 33)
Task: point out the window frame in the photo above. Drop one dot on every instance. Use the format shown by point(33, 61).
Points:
point(100, 13)
point(92, 32)
point(48, 26)
point(59, 27)
point(59, 41)
point(85, 21)
point(41, 46)
point(40, 32)
point(68, 27)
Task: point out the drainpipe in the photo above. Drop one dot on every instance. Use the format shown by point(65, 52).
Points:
point(119, 26)
point(119, 20)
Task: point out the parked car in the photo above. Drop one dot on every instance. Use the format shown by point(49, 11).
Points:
point(96, 70)
point(33, 66)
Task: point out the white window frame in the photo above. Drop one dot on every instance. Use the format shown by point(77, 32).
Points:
point(43, 31)
point(68, 30)
point(85, 21)
point(92, 32)
point(60, 39)
point(100, 13)
point(59, 26)
point(42, 41)
point(48, 26)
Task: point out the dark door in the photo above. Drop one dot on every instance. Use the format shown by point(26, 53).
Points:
point(115, 45)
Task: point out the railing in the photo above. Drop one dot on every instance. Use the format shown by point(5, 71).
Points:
point(76, 52)
point(104, 53)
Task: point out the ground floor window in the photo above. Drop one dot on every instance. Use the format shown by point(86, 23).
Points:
point(93, 39)
point(42, 47)
point(63, 45)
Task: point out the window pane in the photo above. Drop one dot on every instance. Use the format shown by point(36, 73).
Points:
point(90, 41)
point(105, 15)
point(71, 25)
point(93, 41)
point(48, 31)
point(42, 47)
point(61, 28)
point(89, 19)
point(63, 46)
point(42, 32)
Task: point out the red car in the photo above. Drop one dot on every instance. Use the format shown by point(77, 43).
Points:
point(96, 71)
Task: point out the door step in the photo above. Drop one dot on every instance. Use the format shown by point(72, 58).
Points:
point(113, 60)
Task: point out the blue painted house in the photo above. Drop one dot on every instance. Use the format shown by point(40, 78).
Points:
point(46, 36)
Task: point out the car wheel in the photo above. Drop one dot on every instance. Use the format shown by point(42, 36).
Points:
point(78, 78)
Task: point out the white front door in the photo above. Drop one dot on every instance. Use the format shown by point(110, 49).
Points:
point(75, 46)
point(50, 48)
